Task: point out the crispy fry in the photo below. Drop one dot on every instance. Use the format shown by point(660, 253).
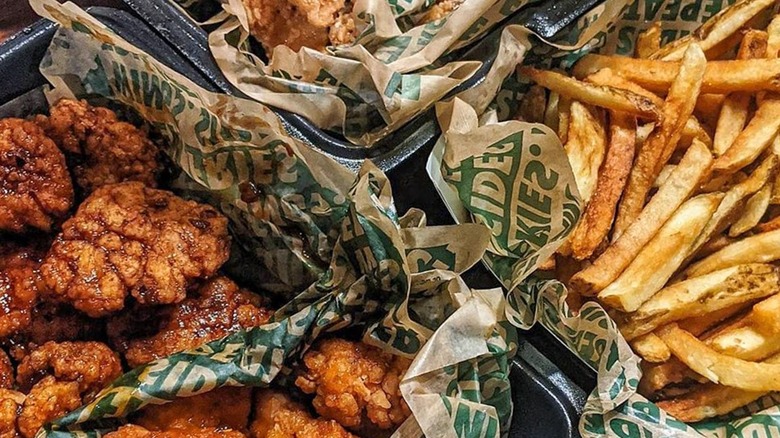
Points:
point(586, 146)
point(734, 113)
point(658, 148)
point(564, 115)
point(615, 99)
point(755, 208)
point(683, 181)
point(770, 225)
point(720, 77)
point(700, 295)
point(708, 401)
point(708, 107)
point(760, 248)
point(595, 223)
point(765, 315)
point(651, 348)
point(717, 367)
point(663, 175)
point(660, 258)
point(533, 105)
point(700, 324)
point(693, 130)
point(725, 23)
point(754, 139)
point(648, 41)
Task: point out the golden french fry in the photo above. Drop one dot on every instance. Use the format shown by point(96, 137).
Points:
point(651, 348)
point(717, 367)
point(656, 151)
point(720, 77)
point(649, 41)
point(700, 295)
point(755, 208)
point(702, 323)
point(765, 315)
point(713, 245)
point(681, 183)
point(711, 400)
point(664, 174)
point(754, 139)
point(586, 146)
point(552, 111)
point(745, 339)
point(564, 111)
point(771, 225)
point(662, 256)
point(760, 248)
point(715, 30)
point(595, 222)
point(533, 105)
point(734, 112)
point(708, 107)
point(615, 99)
point(693, 130)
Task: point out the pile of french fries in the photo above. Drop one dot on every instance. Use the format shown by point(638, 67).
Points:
point(675, 154)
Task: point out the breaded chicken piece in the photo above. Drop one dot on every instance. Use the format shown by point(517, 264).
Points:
point(104, 150)
point(215, 310)
point(35, 186)
point(59, 323)
point(19, 276)
point(10, 403)
point(134, 431)
point(127, 239)
point(441, 9)
point(221, 408)
point(352, 381)
point(48, 400)
point(6, 371)
point(277, 416)
point(292, 23)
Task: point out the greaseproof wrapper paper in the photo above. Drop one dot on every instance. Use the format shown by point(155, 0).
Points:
point(307, 221)
point(614, 408)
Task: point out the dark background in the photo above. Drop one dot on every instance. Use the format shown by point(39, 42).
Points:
point(16, 14)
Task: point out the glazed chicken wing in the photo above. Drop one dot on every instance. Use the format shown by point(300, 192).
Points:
point(104, 150)
point(352, 381)
point(127, 239)
point(134, 431)
point(277, 416)
point(35, 186)
point(217, 309)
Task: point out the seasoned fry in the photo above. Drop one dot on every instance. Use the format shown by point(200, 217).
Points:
point(720, 77)
point(716, 29)
point(708, 107)
point(760, 248)
point(700, 295)
point(754, 210)
point(700, 324)
point(734, 113)
point(683, 181)
point(717, 367)
point(651, 348)
point(754, 139)
point(595, 223)
point(660, 258)
point(586, 146)
point(658, 148)
point(765, 315)
point(649, 41)
point(615, 99)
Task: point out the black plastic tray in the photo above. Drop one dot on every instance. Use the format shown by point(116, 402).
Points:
point(547, 402)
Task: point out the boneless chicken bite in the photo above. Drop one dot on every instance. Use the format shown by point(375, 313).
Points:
point(277, 416)
point(293, 23)
point(127, 239)
point(18, 285)
point(10, 402)
point(221, 408)
point(215, 310)
point(35, 186)
point(353, 380)
point(135, 431)
point(103, 149)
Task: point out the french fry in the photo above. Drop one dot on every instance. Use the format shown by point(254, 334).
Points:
point(702, 323)
point(717, 367)
point(681, 183)
point(716, 243)
point(615, 99)
point(754, 139)
point(649, 41)
point(693, 130)
point(708, 107)
point(771, 225)
point(533, 105)
point(711, 400)
point(701, 295)
point(765, 315)
point(715, 30)
point(658, 148)
point(720, 77)
point(596, 221)
point(586, 146)
point(564, 111)
point(760, 248)
point(755, 208)
point(552, 112)
point(651, 348)
point(734, 113)
point(663, 175)
point(661, 257)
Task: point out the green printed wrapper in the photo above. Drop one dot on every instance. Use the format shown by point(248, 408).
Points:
point(483, 195)
point(311, 226)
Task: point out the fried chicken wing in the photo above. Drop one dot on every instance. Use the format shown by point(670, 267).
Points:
point(222, 408)
point(48, 400)
point(353, 380)
point(129, 239)
point(10, 403)
point(19, 276)
point(104, 150)
point(35, 186)
point(217, 309)
point(134, 431)
point(277, 416)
